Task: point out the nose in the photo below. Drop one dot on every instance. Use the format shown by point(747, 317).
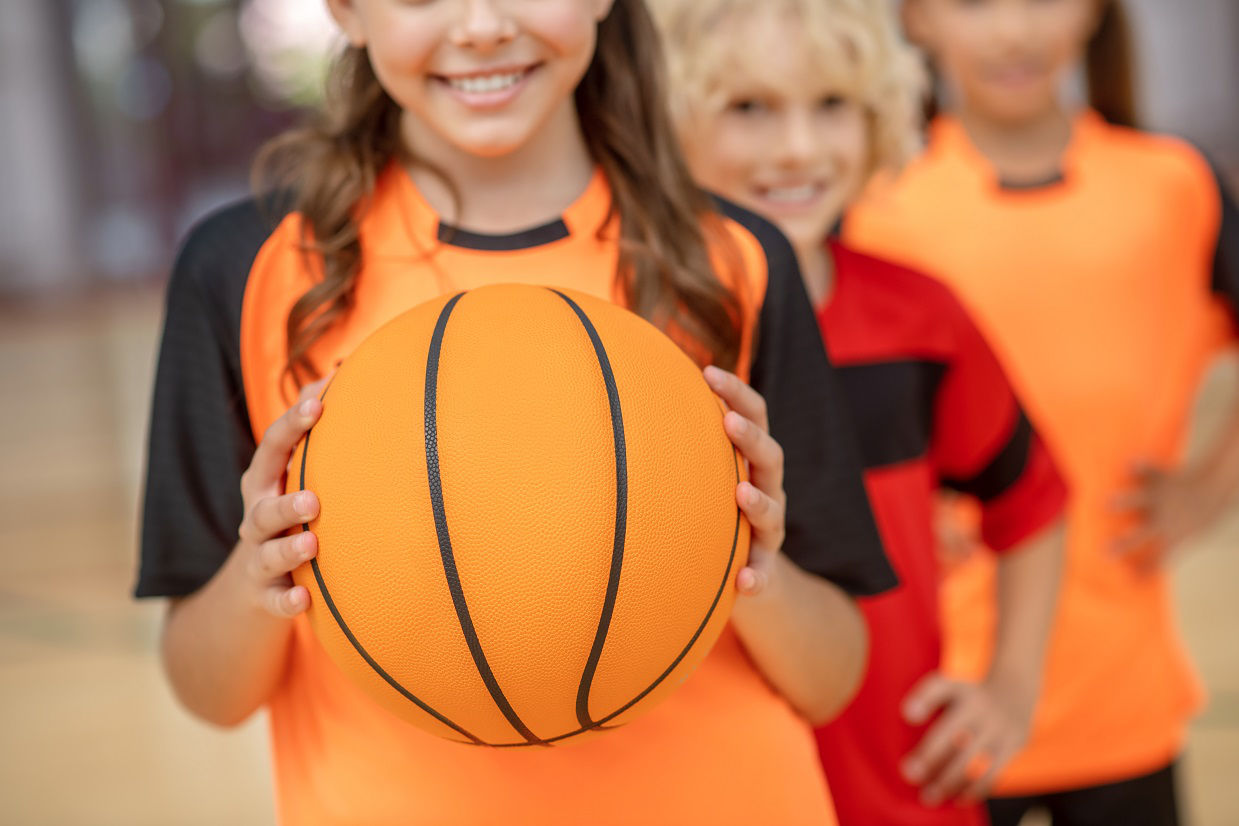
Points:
point(797, 143)
point(483, 25)
point(1012, 22)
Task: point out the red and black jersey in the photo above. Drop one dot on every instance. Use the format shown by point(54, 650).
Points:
point(933, 409)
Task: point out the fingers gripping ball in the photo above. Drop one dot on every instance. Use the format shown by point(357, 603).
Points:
point(528, 529)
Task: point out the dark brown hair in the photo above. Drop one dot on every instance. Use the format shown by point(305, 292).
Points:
point(1110, 67)
point(664, 272)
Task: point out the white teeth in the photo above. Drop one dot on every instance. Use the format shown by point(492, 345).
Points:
point(485, 83)
point(791, 194)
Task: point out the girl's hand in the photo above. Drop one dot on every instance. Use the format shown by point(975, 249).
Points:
point(980, 725)
point(266, 555)
point(1164, 508)
point(761, 498)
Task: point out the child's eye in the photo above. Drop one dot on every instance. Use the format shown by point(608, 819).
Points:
point(831, 102)
point(746, 106)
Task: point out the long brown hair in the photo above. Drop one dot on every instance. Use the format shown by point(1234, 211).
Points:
point(1110, 67)
point(664, 273)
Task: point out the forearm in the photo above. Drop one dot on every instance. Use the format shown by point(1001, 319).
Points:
point(1028, 580)
point(807, 637)
point(222, 652)
point(1220, 469)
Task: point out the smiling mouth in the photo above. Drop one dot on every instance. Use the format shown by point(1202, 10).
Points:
point(792, 195)
point(482, 84)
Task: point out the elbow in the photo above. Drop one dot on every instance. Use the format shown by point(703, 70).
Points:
point(204, 698)
point(221, 715)
point(847, 671)
point(209, 706)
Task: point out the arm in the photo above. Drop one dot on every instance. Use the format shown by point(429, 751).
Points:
point(224, 646)
point(1167, 507)
point(1028, 579)
point(803, 632)
point(808, 638)
point(985, 447)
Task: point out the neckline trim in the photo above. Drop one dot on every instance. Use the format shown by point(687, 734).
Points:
point(547, 233)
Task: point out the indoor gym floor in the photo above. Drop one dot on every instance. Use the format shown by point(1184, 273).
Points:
point(91, 734)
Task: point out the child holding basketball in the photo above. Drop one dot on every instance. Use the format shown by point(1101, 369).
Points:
point(469, 142)
point(1102, 262)
point(795, 132)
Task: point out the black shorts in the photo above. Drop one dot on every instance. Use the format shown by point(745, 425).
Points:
point(1149, 800)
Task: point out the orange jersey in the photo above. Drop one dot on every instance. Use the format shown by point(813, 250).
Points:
point(724, 748)
point(1098, 292)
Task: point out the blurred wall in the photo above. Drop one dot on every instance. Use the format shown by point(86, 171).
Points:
point(1189, 71)
point(40, 202)
point(122, 121)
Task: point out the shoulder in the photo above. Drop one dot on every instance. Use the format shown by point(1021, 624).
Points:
point(1160, 158)
point(217, 254)
point(897, 291)
point(767, 254)
point(888, 278)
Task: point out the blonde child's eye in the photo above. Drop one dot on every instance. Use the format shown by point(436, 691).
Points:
point(832, 102)
point(746, 106)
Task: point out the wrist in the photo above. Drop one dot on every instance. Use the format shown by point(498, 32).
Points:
point(1016, 684)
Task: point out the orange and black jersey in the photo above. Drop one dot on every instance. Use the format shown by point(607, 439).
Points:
point(934, 409)
point(1105, 294)
point(201, 438)
point(339, 757)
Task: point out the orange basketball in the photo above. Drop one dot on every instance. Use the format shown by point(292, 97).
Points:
point(528, 528)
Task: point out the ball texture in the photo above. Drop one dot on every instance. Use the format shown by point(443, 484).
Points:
point(528, 528)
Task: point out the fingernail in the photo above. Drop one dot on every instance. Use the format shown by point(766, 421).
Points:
point(305, 544)
point(750, 494)
point(738, 424)
point(307, 408)
point(303, 503)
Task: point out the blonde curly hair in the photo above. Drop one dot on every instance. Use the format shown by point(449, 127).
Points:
point(856, 42)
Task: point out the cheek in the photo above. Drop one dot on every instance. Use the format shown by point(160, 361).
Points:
point(566, 27)
point(402, 52)
point(726, 156)
point(850, 141)
point(1069, 32)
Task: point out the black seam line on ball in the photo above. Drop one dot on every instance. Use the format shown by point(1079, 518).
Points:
point(335, 613)
point(731, 560)
point(621, 516)
point(445, 538)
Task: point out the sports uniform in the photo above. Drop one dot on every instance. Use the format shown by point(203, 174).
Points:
point(1105, 293)
point(724, 748)
point(933, 409)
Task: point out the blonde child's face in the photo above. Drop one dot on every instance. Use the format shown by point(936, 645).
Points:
point(483, 75)
point(785, 144)
point(1007, 58)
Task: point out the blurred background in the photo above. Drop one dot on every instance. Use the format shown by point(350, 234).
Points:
point(121, 123)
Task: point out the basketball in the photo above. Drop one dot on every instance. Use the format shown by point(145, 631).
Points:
point(528, 528)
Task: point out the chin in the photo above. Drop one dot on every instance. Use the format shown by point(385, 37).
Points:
point(491, 144)
point(1019, 108)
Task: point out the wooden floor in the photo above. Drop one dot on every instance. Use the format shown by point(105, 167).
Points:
point(89, 733)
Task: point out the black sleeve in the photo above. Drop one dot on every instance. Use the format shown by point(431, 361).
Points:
point(200, 440)
point(1226, 256)
point(830, 527)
